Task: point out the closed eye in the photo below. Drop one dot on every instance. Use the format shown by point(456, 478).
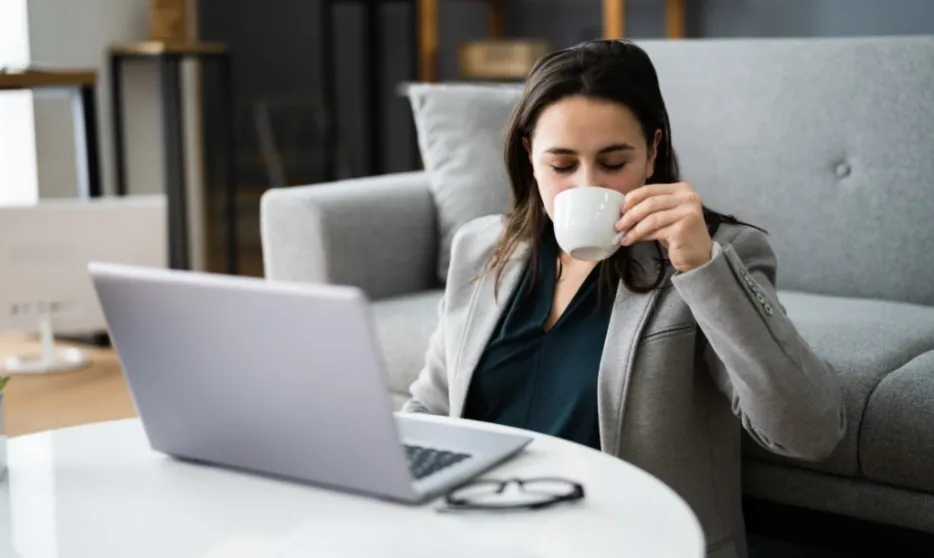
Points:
point(563, 169)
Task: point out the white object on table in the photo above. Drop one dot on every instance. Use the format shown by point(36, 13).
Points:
point(99, 490)
point(44, 252)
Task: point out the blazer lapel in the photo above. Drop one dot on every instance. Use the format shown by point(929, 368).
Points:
point(630, 315)
point(482, 318)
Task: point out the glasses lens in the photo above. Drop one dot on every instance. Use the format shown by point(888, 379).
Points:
point(551, 488)
point(477, 492)
point(494, 494)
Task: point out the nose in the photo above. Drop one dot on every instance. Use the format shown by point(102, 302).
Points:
point(588, 176)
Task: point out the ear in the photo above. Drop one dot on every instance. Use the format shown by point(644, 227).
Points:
point(653, 153)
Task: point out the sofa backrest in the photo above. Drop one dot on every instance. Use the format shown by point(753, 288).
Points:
point(826, 143)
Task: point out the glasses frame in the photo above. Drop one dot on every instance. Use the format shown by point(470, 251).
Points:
point(453, 503)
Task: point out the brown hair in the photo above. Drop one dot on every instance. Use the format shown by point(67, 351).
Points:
point(613, 70)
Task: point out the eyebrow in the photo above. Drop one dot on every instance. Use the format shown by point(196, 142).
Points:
point(607, 149)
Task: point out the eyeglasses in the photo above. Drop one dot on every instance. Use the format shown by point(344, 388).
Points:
point(529, 494)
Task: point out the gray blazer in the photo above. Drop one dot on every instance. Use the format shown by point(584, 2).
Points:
point(679, 366)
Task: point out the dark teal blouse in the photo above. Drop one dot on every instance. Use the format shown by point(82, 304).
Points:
point(544, 381)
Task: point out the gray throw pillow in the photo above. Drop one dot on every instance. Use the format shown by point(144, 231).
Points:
point(461, 132)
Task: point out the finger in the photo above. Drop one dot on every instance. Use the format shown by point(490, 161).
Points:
point(662, 235)
point(650, 227)
point(636, 196)
point(645, 208)
point(642, 193)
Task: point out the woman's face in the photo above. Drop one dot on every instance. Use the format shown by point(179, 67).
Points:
point(579, 141)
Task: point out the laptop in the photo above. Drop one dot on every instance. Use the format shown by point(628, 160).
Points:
point(282, 379)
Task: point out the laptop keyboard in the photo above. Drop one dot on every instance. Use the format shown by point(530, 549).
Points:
point(427, 461)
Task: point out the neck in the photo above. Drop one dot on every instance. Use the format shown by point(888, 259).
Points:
point(570, 264)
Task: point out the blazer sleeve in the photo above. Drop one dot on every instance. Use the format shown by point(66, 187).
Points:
point(788, 399)
point(429, 391)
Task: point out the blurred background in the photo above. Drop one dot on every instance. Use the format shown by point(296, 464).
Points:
point(315, 84)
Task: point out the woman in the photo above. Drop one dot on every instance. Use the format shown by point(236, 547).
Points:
point(650, 355)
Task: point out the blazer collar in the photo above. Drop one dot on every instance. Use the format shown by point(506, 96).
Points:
point(485, 311)
point(630, 315)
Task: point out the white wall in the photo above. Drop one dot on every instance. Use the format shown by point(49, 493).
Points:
point(77, 34)
point(18, 180)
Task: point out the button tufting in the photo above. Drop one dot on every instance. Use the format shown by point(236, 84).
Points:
point(843, 170)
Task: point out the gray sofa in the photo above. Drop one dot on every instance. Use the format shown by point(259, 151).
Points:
point(828, 144)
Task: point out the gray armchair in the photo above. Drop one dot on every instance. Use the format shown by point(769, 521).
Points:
point(378, 234)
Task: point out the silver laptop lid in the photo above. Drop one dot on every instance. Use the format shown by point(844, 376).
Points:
point(281, 378)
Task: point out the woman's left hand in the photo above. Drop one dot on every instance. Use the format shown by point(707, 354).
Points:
point(671, 214)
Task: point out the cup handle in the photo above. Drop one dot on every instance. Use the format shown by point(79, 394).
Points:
point(619, 237)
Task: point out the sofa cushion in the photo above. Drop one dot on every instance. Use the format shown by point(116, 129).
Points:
point(461, 132)
point(824, 142)
point(896, 445)
point(403, 326)
point(883, 352)
point(866, 341)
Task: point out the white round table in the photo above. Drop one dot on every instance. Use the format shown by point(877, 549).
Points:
point(99, 491)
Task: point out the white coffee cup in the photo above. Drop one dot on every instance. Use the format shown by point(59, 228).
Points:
point(584, 220)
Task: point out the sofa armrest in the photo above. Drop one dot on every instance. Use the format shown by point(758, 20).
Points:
point(377, 233)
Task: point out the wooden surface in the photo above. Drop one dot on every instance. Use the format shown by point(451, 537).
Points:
point(428, 40)
point(614, 27)
point(39, 79)
point(675, 19)
point(497, 26)
point(158, 48)
point(614, 19)
point(170, 20)
point(35, 403)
